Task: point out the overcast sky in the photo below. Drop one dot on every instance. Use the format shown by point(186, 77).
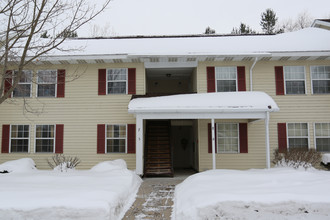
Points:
point(170, 17)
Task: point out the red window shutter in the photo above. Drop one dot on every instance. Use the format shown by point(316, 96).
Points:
point(210, 71)
point(100, 138)
point(279, 79)
point(243, 138)
point(131, 75)
point(102, 81)
point(210, 137)
point(131, 138)
point(59, 139)
point(241, 78)
point(5, 138)
point(8, 82)
point(281, 135)
point(60, 83)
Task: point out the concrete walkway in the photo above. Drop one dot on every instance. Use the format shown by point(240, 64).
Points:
point(155, 198)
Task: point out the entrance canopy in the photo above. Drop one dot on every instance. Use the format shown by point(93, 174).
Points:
point(224, 105)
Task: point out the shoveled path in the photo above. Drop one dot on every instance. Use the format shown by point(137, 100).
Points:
point(155, 197)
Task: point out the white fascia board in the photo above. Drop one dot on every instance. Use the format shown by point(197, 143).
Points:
point(229, 115)
point(170, 64)
point(198, 111)
point(301, 53)
point(82, 57)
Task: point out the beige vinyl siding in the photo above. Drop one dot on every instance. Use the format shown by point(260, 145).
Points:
point(80, 112)
point(307, 108)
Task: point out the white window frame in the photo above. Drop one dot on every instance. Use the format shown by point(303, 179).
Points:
point(216, 79)
point(311, 76)
point(287, 133)
point(55, 95)
point(35, 139)
point(106, 139)
point(126, 81)
point(285, 80)
point(10, 138)
point(315, 137)
point(22, 83)
point(238, 139)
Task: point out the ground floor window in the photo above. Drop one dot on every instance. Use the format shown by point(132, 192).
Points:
point(298, 135)
point(45, 138)
point(19, 138)
point(322, 137)
point(116, 138)
point(227, 138)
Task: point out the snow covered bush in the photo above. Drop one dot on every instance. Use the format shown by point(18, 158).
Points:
point(297, 158)
point(63, 163)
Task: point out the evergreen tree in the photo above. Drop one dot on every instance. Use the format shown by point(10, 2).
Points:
point(268, 21)
point(45, 35)
point(209, 30)
point(243, 29)
point(68, 34)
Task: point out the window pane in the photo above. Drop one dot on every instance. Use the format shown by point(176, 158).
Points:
point(22, 90)
point(45, 145)
point(47, 76)
point(294, 72)
point(295, 87)
point(19, 145)
point(226, 85)
point(116, 145)
point(116, 74)
point(116, 87)
point(321, 86)
point(47, 90)
point(323, 144)
point(227, 138)
point(298, 143)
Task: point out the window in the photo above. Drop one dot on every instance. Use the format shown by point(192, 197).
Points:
point(228, 138)
point(23, 88)
point(294, 77)
point(226, 79)
point(116, 138)
point(117, 81)
point(322, 137)
point(45, 138)
point(19, 138)
point(47, 80)
point(298, 135)
point(320, 79)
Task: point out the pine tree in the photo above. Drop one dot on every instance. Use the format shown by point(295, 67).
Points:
point(209, 30)
point(243, 29)
point(268, 21)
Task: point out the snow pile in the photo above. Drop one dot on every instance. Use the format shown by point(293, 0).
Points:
point(278, 193)
point(89, 194)
point(110, 165)
point(18, 166)
point(326, 158)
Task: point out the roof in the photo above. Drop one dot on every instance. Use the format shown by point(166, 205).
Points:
point(321, 23)
point(221, 102)
point(309, 43)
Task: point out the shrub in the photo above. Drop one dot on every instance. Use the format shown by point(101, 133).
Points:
point(63, 163)
point(297, 158)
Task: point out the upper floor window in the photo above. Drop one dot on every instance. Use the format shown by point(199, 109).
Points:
point(322, 137)
point(117, 81)
point(116, 138)
point(24, 86)
point(227, 138)
point(46, 81)
point(294, 77)
point(320, 79)
point(45, 138)
point(226, 79)
point(298, 135)
point(19, 138)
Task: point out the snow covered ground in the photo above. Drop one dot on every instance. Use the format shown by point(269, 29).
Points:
point(278, 193)
point(104, 192)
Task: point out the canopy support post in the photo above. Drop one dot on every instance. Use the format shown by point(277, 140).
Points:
point(267, 140)
point(213, 144)
point(139, 145)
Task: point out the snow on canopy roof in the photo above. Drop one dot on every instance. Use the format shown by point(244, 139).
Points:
point(205, 102)
point(309, 39)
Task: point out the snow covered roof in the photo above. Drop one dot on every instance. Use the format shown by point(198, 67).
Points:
point(306, 42)
point(221, 102)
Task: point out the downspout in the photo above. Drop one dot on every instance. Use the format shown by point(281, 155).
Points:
point(251, 81)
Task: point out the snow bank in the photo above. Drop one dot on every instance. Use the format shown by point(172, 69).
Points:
point(209, 194)
point(326, 158)
point(104, 192)
point(18, 166)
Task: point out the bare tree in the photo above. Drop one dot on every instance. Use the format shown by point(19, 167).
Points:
point(22, 24)
point(302, 21)
point(101, 31)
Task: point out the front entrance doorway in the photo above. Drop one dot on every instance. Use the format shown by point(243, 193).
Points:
point(169, 147)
